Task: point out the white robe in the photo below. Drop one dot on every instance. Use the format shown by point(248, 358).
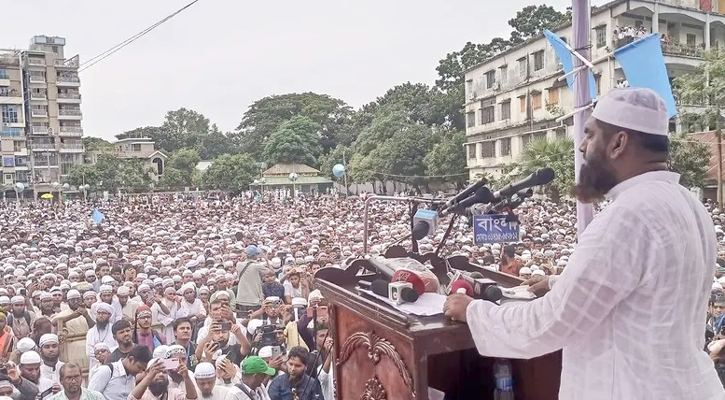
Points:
point(218, 393)
point(629, 309)
point(167, 320)
point(94, 337)
point(195, 308)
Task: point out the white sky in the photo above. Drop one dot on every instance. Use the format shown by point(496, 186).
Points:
point(219, 56)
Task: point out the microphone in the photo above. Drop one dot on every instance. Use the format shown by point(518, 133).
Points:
point(482, 195)
point(461, 286)
point(408, 276)
point(424, 224)
point(540, 177)
point(465, 193)
point(400, 292)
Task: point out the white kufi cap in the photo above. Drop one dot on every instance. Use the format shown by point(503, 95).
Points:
point(638, 109)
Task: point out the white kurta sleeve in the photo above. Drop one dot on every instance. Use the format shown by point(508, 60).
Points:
point(608, 264)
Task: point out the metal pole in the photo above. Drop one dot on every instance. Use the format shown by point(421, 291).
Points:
point(344, 164)
point(581, 15)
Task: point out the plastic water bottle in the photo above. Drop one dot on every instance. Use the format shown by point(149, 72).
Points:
point(504, 380)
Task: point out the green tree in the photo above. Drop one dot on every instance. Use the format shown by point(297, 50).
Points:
point(215, 143)
point(183, 128)
point(266, 115)
point(94, 143)
point(81, 174)
point(185, 160)
point(133, 175)
point(690, 159)
point(153, 132)
point(448, 158)
point(230, 173)
point(557, 154)
point(294, 141)
point(532, 20)
point(175, 179)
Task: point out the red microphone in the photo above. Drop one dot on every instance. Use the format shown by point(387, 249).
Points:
point(461, 286)
point(404, 275)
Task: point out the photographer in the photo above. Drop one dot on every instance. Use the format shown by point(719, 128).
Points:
point(223, 333)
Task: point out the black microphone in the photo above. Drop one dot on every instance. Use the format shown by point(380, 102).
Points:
point(482, 195)
point(381, 288)
point(540, 177)
point(465, 193)
point(420, 230)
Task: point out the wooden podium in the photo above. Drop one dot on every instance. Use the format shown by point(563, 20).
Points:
point(383, 354)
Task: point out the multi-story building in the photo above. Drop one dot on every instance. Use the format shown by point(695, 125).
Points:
point(41, 116)
point(515, 97)
point(134, 148)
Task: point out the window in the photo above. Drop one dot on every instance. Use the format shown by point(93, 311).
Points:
point(504, 74)
point(9, 179)
point(4, 73)
point(4, 91)
point(522, 67)
point(490, 79)
point(8, 161)
point(598, 82)
point(488, 149)
point(21, 161)
point(691, 40)
point(469, 86)
point(525, 140)
point(506, 147)
point(18, 145)
point(601, 33)
point(522, 104)
point(539, 136)
point(539, 60)
point(638, 23)
point(472, 151)
point(488, 114)
point(506, 110)
point(554, 96)
point(536, 101)
point(470, 119)
point(9, 113)
point(136, 147)
point(10, 132)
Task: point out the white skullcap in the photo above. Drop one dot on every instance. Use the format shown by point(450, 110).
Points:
point(123, 291)
point(188, 286)
point(101, 346)
point(89, 293)
point(253, 325)
point(525, 270)
point(265, 352)
point(205, 370)
point(73, 294)
point(105, 289)
point(4, 300)
point(160, 352)
point(25, 344)
point(48, 338)
point(298, 301)
point(638, 109)
point(107, 279)
point(104, 307)
point(89, 273)
point(315, 295)
point(30, 357)
point(538, 272)
point(45, 296)
point(143, 287)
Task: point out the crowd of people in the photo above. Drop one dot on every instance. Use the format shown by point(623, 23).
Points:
point(212, 297)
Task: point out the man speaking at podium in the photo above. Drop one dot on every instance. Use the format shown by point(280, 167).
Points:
point(629, 310)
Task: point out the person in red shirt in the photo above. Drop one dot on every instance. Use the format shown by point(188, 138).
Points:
point(509, 264)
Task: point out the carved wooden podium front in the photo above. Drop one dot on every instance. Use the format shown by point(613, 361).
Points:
point(382, 354)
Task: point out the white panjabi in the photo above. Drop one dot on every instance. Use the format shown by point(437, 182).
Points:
point(629, 309)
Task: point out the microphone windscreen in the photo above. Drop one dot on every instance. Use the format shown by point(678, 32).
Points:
point(544, 176)
point(492, 293)
point(404, 275)
point(462, 284)
point(476, 275)
point(379, 287)
point(408, 295)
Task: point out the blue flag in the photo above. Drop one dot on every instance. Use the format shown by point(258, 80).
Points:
point(97, 216)
point(567, 62)
point(644, 67)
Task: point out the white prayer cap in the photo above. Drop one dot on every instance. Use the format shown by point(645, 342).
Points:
point(73, 294)
point(538, 272)
point(188, 286)
point(143, 287)
point(104, 307)
point(525, 270)
point(48, 338)
point(265, 352)
point(299, 301)
point(253, 325)
point(205, 370)
point(89, 293)
point(101, 346)
point(4, 300)
point(638, 109)
point(160, 352)
point(89, 273)
point(26, 344)
point(30, 357)
point(45, 296)
point(315, 295)
point(716, 285)
point(107, 279)
point(123, 291)
point(6, 384)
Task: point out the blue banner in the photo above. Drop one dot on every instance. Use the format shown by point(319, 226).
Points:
point(97, 216)
point(644, 67)
point(494, 228)
point(567, 62)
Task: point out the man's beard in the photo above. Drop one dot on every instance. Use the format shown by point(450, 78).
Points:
point(51, 360)
point(101, 324)
point(158, 388)
point(596, 179)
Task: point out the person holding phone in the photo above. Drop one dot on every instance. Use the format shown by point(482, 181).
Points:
point(153, 383)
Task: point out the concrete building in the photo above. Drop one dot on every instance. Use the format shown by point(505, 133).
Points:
point(515, 97)
point(134, 148)
point(41, 116)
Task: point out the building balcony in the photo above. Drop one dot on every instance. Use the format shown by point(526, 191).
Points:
point(72, 148)
point(9, 60)
point(43, 146)
point(70, 114)
point(69, 98)
point(38, 96)
point(36, 61)
point(72, 63)
point(39, 113)
point(71, 131)
point(68, 81)
point(40, 130)
point(20, 152)
point(37, 79)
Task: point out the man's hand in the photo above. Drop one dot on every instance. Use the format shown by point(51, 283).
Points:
point(55, 388)
point(155, 369)
point(276, 362)
point(13, 373)
point(456, 305)
point(183, 370)
point(539, 285)
point(82, 311)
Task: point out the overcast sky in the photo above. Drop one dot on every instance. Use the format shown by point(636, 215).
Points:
point(219, 56)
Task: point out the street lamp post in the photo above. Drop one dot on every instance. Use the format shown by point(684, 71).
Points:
point(85, 188)
point(293, 177)
point(56, 187)
point(19, 188)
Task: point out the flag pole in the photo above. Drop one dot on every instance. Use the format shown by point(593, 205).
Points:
point(581, 15)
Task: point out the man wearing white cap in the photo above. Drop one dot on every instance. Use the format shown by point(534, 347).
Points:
point(30, 362)
point(128, 306)
point(49, 347)
point(101, 332)
point(20, 319)
point(205, 375)
point(192, 304)
point(627, 330)
point(75, 320)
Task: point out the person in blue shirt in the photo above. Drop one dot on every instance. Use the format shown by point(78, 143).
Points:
point(296, 385)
